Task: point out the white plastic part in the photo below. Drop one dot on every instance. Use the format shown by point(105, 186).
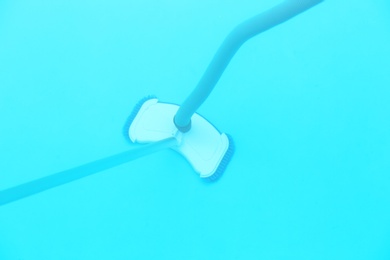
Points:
point(203, 146)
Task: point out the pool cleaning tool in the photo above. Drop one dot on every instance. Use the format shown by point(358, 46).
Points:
point(163, 125)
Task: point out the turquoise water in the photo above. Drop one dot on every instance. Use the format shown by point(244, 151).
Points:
point(307, 104)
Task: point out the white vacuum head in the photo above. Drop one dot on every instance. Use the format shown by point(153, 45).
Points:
point(204, 147)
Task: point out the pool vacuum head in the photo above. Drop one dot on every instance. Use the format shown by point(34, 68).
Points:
point(203, 146)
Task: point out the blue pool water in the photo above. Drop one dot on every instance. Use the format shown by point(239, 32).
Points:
point(307, 104)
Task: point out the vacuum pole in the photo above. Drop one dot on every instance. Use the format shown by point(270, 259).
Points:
point(57, 179)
